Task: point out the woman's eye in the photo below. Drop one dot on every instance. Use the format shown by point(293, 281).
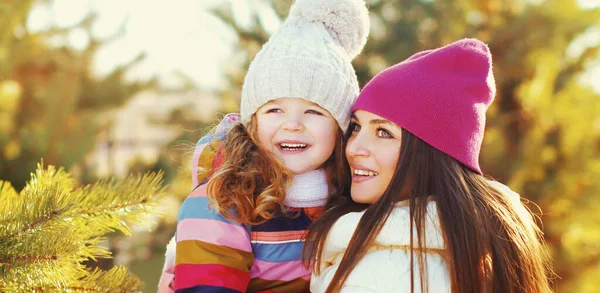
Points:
point(354, 127)
point(384, 133)
point(314, 112)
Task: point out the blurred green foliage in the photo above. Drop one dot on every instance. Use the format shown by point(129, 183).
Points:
point(51, 105)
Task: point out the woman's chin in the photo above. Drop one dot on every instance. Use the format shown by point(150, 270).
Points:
point(362, 198)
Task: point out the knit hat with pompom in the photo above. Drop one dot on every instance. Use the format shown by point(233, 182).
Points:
point(309, 57)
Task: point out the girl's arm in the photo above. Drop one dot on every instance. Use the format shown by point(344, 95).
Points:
point(213, 254)
point(165, 284)
point(204, 158)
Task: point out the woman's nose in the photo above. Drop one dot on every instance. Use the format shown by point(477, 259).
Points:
point(356, 146)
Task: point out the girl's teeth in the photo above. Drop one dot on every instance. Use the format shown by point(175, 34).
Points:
point(293, 145)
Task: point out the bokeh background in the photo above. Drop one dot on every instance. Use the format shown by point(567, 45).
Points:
point(107, 88)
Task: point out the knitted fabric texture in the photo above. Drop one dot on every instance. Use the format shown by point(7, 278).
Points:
point(309, 57)
point(440, 96)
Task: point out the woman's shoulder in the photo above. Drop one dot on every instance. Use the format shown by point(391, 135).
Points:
point(389, 257)
point(342, 230)
point(395, 232)
point(392, 268)
point(504, 189)
point(397, 229)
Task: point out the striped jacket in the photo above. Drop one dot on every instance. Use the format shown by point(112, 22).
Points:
point(263, 258)
point(214, 254)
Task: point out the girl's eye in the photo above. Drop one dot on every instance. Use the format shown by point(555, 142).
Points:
point(314, 112)
point(383, 133)
point(354, 127)
point(274, 110)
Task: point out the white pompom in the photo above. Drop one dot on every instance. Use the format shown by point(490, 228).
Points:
point(346, 20)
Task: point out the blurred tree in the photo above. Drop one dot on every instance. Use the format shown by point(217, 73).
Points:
point(543, 134)
point(51, 228)
point(51, 104)
point(143, 253)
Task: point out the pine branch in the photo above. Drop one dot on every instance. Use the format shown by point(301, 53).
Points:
point(7, 192)
point(116, 280)
point(50, 229)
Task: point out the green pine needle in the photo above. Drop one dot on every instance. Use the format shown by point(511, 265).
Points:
point(50, 228)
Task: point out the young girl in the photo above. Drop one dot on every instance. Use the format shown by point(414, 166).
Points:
point(422, 217)
point(243, 230)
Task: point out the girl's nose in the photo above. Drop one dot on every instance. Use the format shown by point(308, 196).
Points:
point(293, 124)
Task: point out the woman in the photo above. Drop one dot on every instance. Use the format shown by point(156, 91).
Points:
point(422, 217)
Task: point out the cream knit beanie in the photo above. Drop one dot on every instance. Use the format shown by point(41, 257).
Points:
point(310, 57)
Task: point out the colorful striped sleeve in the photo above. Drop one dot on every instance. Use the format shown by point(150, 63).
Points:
point(206, 157)
point(213, 254)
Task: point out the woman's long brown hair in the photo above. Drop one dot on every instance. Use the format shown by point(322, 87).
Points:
point(493, 243)
point(250, 185)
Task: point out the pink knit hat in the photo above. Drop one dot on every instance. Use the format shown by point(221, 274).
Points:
point(440, 96)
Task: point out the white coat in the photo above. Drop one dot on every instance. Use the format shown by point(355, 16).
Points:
point(386, 265)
